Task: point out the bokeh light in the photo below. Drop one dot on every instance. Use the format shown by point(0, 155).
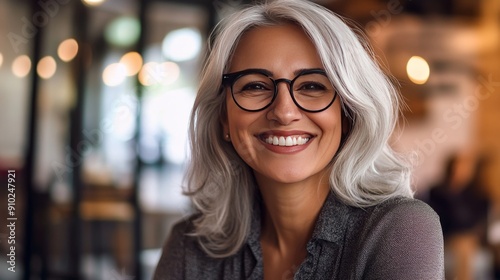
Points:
point(182, 44)
point(114, 74)
point(171, 72)
point(133, 62)
point(46, 67)
point(1, 60)
point(93, 2)
point(67, 50)
point(21, 66)
point(123, 31)
point(153, 73)
point(418, 70)
point(148, 74)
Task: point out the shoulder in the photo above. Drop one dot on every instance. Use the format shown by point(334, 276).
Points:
point(183, 227)
point(184, 258)
point(404, 239)
point(405, 210)
point(405, 220)
point(172, 261)
point(179, 236)
point(398, 212)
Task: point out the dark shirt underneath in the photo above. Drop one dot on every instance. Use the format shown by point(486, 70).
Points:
point(397, 239)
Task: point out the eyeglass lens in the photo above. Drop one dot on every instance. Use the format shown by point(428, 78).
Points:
point(255, 91)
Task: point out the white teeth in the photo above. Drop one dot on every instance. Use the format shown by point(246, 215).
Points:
point(282, 141)
point(288, 141)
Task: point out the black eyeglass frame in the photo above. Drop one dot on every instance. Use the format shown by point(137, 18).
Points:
point(230, 78)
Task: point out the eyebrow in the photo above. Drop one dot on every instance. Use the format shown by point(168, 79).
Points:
point(271, 74)
point(298, 71)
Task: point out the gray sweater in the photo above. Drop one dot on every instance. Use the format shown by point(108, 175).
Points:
point(398, 239)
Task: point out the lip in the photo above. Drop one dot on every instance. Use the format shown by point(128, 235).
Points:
point(285, 149)
point(284, 133)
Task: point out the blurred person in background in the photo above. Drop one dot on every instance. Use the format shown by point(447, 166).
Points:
point(462, 206)
point(291, 174)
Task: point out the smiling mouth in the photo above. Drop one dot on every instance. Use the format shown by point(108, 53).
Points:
point(288, 141)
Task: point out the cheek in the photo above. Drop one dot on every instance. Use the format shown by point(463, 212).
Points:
point(332, 128)
point(244, 143)
point(333, 136)
point(240, 126)
point(331, 119)
point(237, 125)
point(238, 120)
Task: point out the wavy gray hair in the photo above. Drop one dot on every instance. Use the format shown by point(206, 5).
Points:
point(365, 171)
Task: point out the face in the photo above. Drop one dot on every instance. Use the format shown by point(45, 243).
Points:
point(313, 138)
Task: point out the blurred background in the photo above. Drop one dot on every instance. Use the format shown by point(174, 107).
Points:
point(95, 97)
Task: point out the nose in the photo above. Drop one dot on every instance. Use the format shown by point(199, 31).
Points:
point(283, 110)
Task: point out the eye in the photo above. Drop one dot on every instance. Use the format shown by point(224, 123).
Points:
point(311, 86)
point(255, 86)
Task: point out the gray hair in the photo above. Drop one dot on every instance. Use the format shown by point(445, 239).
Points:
point(365, 171)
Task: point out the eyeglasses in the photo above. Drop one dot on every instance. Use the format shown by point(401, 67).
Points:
point(254, 90)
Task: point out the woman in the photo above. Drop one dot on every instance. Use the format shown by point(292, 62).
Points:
point(291, 174)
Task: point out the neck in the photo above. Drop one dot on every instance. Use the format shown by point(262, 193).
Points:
point(290, 212)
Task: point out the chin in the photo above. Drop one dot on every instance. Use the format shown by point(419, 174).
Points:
point(289, 178)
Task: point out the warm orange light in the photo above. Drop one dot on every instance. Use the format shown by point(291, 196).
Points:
point(67, 50)
point(46, 67)
point(149, 74)
point(133, 62)
point(171, 72)
point(93, 2)
point(153, 73)
point(114, 74)
point(418, 70)
point(21, 66)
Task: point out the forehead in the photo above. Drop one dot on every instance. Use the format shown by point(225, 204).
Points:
point(277, 46)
